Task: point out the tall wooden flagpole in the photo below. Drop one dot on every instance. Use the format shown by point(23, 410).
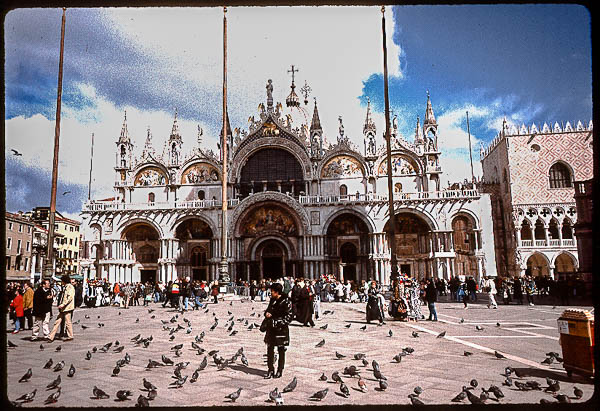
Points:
point(223, 268)
point(91, 165)
point(470, 151)
point(49, 263)
point(392, 221)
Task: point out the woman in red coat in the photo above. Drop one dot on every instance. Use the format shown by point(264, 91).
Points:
point(17, 304)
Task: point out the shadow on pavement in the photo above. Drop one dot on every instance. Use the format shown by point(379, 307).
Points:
point(558, 375)
point(248, 370)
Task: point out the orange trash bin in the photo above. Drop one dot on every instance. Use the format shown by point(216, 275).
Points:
point(576, 328)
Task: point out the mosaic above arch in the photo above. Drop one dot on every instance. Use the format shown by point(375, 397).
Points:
point(400, 166)
point(268, 218)
point(199, 173)
point(342, 166)
point(151, 176)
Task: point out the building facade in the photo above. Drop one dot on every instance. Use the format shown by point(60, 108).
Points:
point(530, 173)
point(19, 235)
point(584, 200)
point(297, 205)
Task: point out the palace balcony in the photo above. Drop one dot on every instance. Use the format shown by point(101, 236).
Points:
point(566, 242)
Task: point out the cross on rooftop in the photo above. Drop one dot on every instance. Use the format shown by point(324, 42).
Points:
point(293, 71)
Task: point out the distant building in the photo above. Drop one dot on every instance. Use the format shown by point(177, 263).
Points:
point(530, 173)
point(68, 238)
point(583, 228)
point(19, 231)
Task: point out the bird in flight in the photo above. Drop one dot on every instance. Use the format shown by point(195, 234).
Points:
point(66, 192)
point(15, 152)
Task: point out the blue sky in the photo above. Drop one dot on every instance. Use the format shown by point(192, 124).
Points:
point(530, 63)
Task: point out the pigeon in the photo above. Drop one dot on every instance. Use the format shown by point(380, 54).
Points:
point(390, 333)
point(467, 354)
point(142, 401)
point(203, 364)
point(84, 327)
point(152, 395)
point(319, 395)
point(59, 366)
point(323, 377)
point(548, 360)
point(562, 398)
point(273, 394)
point(291, 386)
point(397, 358)
point(195, 376)
point(94, 349)
point(375, 365)
point(378, 375)
point(365, 362)
point(178, 353)
point(362, 385)
point(127, 358)
point(41, 347)
point(58, 348)
point(244, 360)
point(473, 399)
point(418, 390)
point(498, 355)
point(383, 385)
point(121, 348)
point(344, 390)
point(48, 364)
point(364, 327)
point(508, 382)
point(348, 325)
point(415, 400)
point(497, 324)
point(99, 394)
point(474, 383)
point(167, 360)
point(545, 401)
point(71, 372)
point(123, 395)
point(116, 371)
point(54, 384)
point(558, 358)
point(213, 352)
point(553, 385)
point(27, 397)
point(137, 337)
point(320, 343)
point(521, 386)
point(52, 398)
point(324, 327)
point(339, 356)
point(533, 385)
point(479, 328)
point(148, 385)
point(409, 350)
point(351, 371)
point(88, 355)
point(171, 338)
point(577, 392)
point(117, 343)
point(27, 376)
point(460, 397)
point(153, 364)
point(121, 363)
point(195, 346)
point(496, 391)
point(335, 377)
point(359, 356)
point(415, 334)
point(442, 334)
point(234, 395)
point(179, 382)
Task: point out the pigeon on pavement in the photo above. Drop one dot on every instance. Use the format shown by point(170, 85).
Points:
point(54, 384)
point(415, 334)
point(48, 364)
point(335, 377)
point(442, 334)
point(344, 390)
point(71, 371)
point(99, 394)
point(52, 398)
point(577, 392)
point(27, 397)
point(148, 385)
point(59, 366)
point(291, 386)
point(460, 397)
point(123, 395)
point(339, 356)
point(498, 355)
point(273, 394)
point(383, 385)
point(26, 376)
point(234, 395)
point(415, 400)
point(320, 343)
point(142, 401)
point(319, 395)
point(418, 390)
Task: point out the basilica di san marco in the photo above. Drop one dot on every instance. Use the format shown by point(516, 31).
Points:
point(297, 206)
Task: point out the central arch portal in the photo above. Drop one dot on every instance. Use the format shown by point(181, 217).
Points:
point(273, 259)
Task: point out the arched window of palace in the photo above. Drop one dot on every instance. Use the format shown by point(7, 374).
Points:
point(540, 231)
point(560, 176)
point(271, 169)
point(553, 229)
point(343, 190)
point(567, 230)
point(151, 197)
point(526, 233)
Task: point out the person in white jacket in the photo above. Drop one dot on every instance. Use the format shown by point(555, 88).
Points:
point(490, 287)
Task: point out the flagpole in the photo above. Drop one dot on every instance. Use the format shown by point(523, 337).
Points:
point(91, 165)
point(392, 214)
point(470, 151)
point(223, 269)
point(49, 263)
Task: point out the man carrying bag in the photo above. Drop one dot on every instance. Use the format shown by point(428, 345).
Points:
point(278, 316)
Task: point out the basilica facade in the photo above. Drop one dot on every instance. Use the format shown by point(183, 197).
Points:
point(297, 206)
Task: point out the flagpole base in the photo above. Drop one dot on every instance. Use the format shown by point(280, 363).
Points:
point(224, 278)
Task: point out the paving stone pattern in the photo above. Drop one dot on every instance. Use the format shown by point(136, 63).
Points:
point(437, 364)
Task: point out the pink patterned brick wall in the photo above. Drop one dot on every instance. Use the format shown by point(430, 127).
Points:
point(529, 169)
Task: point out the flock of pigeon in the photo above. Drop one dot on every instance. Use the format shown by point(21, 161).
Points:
point(178, 324)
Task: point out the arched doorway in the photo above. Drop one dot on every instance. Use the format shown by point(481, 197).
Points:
point(413, 245)
point(347, 247)
point(564, 266)
point(273, 259)
point(463, 234)
point(537, 265)
point(144, 241)
point(195, 249)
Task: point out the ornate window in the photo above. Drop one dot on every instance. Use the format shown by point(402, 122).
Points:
point(201, 195)
point(560, 176)
point(398, 187)
point(151, 197)
point(343, 190)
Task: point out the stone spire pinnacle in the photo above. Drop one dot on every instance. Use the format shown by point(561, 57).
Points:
point(199, 138)
point(429, 117)
point(148, 149)
point(316, 122)
point(418, 132)
point(175, 129)
point(369, 125)
point(124, 133)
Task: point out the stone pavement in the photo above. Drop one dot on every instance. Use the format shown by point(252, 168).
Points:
point(437, 365)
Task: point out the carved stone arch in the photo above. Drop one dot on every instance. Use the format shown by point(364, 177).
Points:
point(182, 219)
point(544, 256)
point(197, 160)
point(124, 224)
point(468, 214)
point(257, 242)
point(570, 254)
point(346, 210)
point(150, 165)
point(426, 216)
point(247, 204)
point(241, 156)
point(407, 153)
point(96, 231)
point(341, 153)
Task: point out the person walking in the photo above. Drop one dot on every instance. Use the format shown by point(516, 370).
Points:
point(529, 289)
point(278, 316)
point(316, 290)
point(472, 288)
point(28, 305)
point(305, 304)
point(489, 287)
point(464, 292)
point(17, 305)
point(65, 307)
point(214, 291)
point(42, 310)
point(431, 297)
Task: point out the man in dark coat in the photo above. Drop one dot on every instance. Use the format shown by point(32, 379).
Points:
point(295, 294)
point(279, 315)
point(42, 309)
point(305, 305)
point(431, 298)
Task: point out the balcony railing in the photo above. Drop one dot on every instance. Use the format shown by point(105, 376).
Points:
point(117, 206)
point(568, 242)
